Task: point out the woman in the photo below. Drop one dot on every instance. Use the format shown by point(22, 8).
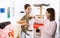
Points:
point(9, 30)
point(5, 28)
point(50, 25)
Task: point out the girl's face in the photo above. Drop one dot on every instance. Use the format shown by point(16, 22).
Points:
point(28, 10)
point(47, 15)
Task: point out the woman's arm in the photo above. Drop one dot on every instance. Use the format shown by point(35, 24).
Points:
point(37, 20)
point(50, 30)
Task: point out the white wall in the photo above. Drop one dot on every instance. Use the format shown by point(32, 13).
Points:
point(5, 4)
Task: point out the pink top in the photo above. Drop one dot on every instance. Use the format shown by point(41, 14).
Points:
point(4, 32)
point(49, 29)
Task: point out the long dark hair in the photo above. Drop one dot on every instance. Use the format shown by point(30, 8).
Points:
point(51, 11)
point(4, 24)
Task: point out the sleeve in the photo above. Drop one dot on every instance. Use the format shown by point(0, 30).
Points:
point(51, 30)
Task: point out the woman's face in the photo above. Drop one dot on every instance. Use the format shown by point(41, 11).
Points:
point(28, 10)
point(47, 14)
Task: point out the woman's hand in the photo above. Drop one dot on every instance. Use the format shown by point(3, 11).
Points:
point(40, 16)
point(11, 34)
